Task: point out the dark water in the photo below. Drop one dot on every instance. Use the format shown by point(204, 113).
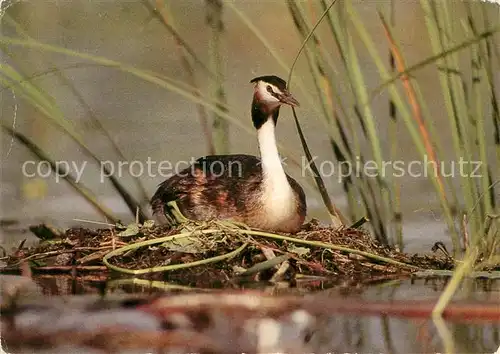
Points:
point(149, 122)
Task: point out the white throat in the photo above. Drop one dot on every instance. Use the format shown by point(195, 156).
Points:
point(278, 194)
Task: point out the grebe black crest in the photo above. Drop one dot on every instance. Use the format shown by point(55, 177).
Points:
point(242, 188)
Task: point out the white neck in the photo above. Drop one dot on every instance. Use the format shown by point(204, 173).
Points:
point(274, 177)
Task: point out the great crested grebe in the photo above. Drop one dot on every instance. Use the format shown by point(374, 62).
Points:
point(242, 188)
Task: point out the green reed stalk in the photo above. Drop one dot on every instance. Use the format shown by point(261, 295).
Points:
point(337, 26)
point(362, 96)
point(340, 124)
point(272, 51)
point(162, 81)
point(483, 85)
point(427, 139)
point(214, 22)
point(325, 89)
point(49, 109)
point(299, 84)
point(489, 52)
point(320, 67)
point(459, 109)
point(394, 143)
point(314, 59)
point(405, 115)
point(46, 104)
point(480, 89)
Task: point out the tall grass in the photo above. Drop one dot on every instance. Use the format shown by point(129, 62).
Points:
point(186, 55)
point(348, 113)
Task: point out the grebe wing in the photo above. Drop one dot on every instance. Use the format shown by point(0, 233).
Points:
point(212, 172)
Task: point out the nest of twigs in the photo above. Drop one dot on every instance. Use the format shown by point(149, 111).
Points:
point(201, 253)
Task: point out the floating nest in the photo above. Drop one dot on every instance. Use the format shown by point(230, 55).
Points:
point(208, 254)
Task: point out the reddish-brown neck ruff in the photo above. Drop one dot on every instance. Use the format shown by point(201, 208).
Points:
point(261, 112)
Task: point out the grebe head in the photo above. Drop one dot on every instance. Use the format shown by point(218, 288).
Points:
point(270, 93)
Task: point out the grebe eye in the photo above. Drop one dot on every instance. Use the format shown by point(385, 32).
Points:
point(269, 89)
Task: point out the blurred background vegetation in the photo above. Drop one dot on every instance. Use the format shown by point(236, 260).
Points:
point(162, 80)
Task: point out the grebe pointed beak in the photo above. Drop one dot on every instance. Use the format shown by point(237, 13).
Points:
point(287, 98)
